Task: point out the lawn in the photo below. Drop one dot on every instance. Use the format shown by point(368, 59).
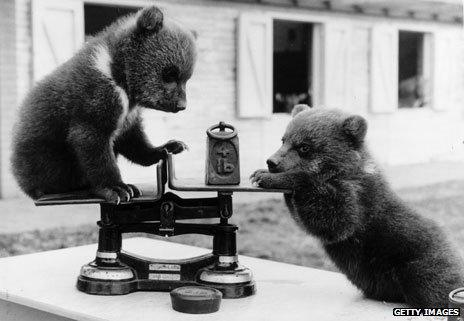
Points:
point(266, 229)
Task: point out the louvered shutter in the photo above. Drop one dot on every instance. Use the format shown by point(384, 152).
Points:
point(384, 69)
point(254, 87)
point(58, 32)
point(337, 64)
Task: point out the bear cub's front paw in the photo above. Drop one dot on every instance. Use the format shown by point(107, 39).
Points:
point(174, 146)
point(117, 193)
point(261, 178)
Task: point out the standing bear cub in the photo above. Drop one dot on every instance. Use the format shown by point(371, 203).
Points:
point(74, 123)
point(379, 243)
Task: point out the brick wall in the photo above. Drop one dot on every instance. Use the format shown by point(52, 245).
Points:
point(8, 89)
point(23, 47)
point(15, 79)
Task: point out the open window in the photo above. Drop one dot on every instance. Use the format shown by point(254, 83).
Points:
point(279, 64)
point(413, 70)
point(98, 17)
point(292, 64)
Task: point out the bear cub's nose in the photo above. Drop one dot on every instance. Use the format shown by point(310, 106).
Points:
point(181, 105)
point(271, 164)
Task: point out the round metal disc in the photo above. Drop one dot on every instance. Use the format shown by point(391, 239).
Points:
point(196, 299)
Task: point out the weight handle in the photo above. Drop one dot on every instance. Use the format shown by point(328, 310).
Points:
point(223, 135)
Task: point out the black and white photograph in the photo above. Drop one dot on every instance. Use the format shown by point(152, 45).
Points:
point(225, 160)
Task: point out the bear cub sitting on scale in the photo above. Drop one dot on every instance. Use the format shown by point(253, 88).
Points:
point(74, 122)
point(380, 244)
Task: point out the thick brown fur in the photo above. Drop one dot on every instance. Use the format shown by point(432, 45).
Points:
point(339, 195)
point(74, 122)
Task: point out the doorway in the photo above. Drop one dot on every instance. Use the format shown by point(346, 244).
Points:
point(413, 70)
point(292, 64)
point(97, 17)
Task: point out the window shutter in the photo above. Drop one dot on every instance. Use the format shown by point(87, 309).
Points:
point(58, 32)
point(384, 69)
point(254, 87)
point(444, 56)
point(337, 64)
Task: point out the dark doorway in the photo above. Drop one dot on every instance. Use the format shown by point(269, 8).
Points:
point(98, 17)
point(292, 64)
point(411, 80)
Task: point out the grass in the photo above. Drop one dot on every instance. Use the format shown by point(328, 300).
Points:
point(266, 229)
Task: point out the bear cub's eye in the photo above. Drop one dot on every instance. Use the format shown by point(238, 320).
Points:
point(304, 149)
point(170, 74)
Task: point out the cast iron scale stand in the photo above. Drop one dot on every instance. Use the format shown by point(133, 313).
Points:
point(157, 212)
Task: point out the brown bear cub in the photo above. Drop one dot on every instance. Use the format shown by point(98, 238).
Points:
point(78, 119)
point(381, 245)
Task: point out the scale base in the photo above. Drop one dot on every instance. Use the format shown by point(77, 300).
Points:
point(102, 287)
point(232, 279)
point(140, 274)
point(233, 291)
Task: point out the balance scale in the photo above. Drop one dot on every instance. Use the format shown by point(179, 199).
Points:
point(115, 271)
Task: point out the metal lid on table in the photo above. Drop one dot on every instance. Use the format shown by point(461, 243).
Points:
point(456, 297)
point(196, 299)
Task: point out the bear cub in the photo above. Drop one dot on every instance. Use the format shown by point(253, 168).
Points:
point(382, 246)
point(76, 121)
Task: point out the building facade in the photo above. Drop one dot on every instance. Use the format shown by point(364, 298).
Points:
point(398, 63)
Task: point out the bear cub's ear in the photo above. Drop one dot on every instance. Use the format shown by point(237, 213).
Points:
point(355, 127)
point(150, 20)
point(299, 108)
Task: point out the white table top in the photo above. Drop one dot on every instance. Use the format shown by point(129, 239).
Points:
point(46, 281)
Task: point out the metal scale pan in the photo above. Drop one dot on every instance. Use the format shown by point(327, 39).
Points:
point(150, 192)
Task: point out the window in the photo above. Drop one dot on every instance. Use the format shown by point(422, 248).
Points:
point(292, 63)
point(279, 64)
point(98, 17)
point(413, 70)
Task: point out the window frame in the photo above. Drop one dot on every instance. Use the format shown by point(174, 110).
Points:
point(434, 32)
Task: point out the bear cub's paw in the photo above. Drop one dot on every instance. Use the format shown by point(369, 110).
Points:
point(174, 146)
point(117, 193)
point(261, 178)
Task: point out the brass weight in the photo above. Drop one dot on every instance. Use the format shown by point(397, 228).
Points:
point(222, 155)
